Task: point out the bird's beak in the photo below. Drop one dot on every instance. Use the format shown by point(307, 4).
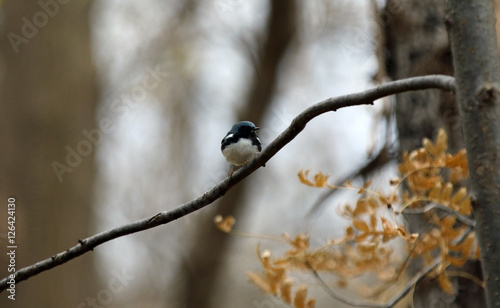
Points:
point(256, 128)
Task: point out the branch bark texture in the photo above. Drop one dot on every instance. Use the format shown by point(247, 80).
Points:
point(298, 124)
point(471, 27)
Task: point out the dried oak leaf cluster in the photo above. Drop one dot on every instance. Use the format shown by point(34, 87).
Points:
point(431, 184)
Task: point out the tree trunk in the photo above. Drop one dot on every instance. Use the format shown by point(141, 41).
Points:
point(476, 62)
point(417, 44)
point(48, 95)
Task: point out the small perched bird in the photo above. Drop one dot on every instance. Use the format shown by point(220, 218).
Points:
point(241, 144)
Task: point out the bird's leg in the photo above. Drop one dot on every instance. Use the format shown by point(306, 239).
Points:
point(231, 172)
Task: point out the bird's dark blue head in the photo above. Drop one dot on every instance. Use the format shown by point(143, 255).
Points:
point(244, 129)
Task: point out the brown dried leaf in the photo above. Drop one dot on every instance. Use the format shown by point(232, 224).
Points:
point(224, 224)
point(275, 277)
point(435, 191)
point(420, 156)
point(383, 200)
point(446, 192)
point(459, 160)
point(448, 222)
point(300, 297)
point(386, 225)
point(311, 303)
point(321, 180)
point(303, 177)
point(373, 221)
point(459, 195)
point(465, 207)
point(465, 247)
point(423, 182)
point(413, 237)
point(361, 225)
point(409, 237)
point(257, 280)
point(361, 208)
point(439, 149)
point(286, 291)
point(299, 244)
point(361, 237)
point(441, 143)
point(367, 247)
point(427, 144)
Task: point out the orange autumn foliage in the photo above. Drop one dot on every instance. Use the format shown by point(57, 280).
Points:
point(430, 183)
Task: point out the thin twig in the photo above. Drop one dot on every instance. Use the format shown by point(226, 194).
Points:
point(443, 82)
point(468, 221)
point(376, 163)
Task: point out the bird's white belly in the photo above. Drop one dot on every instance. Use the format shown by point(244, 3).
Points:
point(241, 152)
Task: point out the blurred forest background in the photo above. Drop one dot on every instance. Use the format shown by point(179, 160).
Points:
point(112, 111)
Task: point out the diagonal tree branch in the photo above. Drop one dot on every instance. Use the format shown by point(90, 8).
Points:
point(446, 83)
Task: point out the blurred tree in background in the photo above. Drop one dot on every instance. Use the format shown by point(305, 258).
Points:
point(270, 49)
point(48, 96)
